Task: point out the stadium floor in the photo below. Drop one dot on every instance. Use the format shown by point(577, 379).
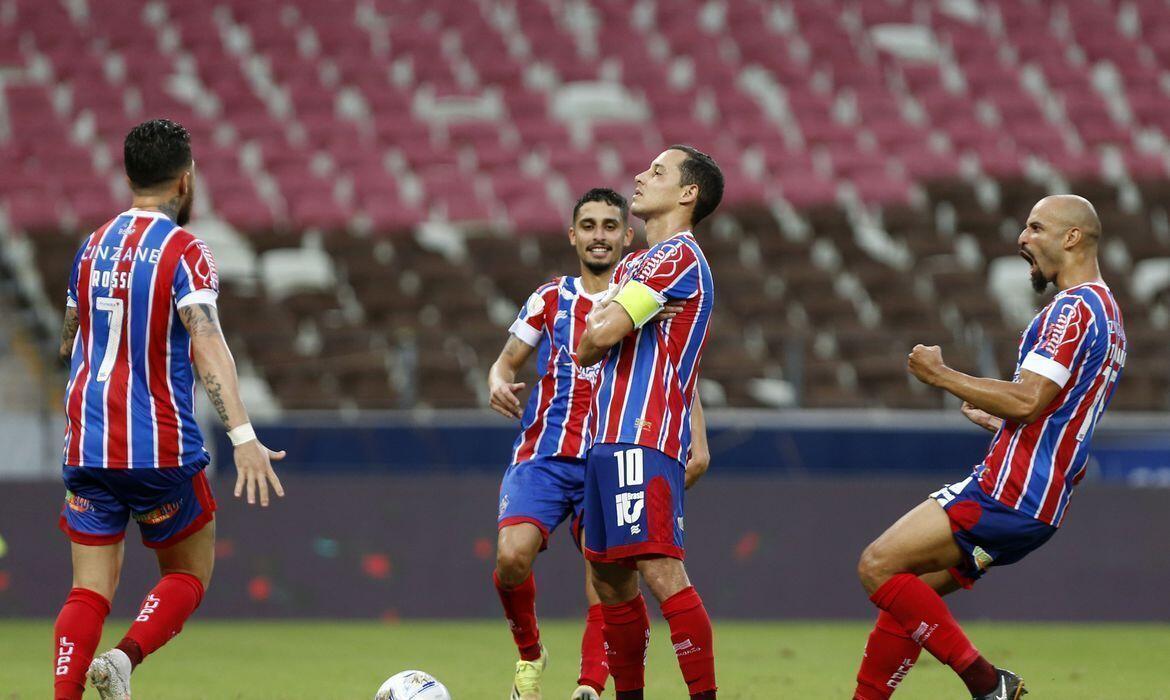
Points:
point(344, 660)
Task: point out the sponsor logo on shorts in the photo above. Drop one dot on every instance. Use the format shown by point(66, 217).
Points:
point(159, 515)
point(982, 558)
point(503, 504)
point(77, 504)
point(680, 524)
point(629, 508)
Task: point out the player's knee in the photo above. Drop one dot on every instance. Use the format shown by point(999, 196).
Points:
point(873, 567)
point(512, 566)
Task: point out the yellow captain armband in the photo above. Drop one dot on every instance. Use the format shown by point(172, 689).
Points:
point(639, 301)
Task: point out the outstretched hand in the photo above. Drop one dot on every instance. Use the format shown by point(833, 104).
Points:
point(254, 471)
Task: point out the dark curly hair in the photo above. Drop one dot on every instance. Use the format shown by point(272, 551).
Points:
point(605, 195)
point(155, 152)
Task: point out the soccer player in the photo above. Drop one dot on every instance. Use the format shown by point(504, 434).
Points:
point(1069, 360)
point(641, 424)
point(140, 322)
point(545, 483)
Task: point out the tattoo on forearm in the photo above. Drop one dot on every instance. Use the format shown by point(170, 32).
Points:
point(215, 392)
point(68, 334)
point(200, 319)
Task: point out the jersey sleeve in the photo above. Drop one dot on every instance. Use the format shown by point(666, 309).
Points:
point(196, 278)
point(670, 271)
point(71, 291)
point(1063, 341)
point(532, 321)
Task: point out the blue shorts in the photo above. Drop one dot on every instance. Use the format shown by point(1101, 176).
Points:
point(633, 504)
point(989, 532)
point(169, 504)
point(543, 491)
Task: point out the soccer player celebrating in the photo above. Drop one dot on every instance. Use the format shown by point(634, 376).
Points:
point(545, 483)
point(140, 322)
point(1069, 360)
point(641, 424)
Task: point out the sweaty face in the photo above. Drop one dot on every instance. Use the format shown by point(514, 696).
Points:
point(657, 189)
point(599, 235)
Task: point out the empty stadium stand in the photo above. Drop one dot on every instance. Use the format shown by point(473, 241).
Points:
point(384, 181)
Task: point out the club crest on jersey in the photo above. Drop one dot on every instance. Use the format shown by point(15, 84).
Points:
point(1065, 329)
point(159, 515)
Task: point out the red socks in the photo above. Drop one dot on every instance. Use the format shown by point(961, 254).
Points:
point(889, 656)
point(75, 638)
point(520, 610)
point(690, 632)
point(594, 669)
point(627, 632)
point(922, 614)
point(163, 613)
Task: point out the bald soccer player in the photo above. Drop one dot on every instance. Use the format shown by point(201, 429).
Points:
point(1069, 360)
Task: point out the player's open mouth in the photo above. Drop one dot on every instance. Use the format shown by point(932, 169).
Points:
point(1028, 257)
point(600, 250)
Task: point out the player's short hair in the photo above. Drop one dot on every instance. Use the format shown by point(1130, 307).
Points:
point(700, 169)
point(155, 152)
point(604, 195)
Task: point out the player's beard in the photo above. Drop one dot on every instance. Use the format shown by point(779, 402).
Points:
point(598, 267)
point(184, 213)
point(1039, 281)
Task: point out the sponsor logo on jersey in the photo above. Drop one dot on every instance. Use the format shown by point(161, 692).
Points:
point(588, 374)
point(205, 267)
point(561, 314)
point(503, 504)
point(159, 515)
point(664, 259)
point(535, 304)
point(643, 424)
point(1065, 329)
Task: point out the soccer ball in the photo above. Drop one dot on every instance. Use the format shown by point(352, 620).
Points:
point(412, 685)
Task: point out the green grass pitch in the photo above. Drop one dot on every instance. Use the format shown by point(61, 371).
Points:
point(220, 660)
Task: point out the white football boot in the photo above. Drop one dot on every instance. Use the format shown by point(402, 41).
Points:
point(109, 674)
point(584, 692)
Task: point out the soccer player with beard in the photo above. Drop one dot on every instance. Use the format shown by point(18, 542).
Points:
point(641, 424)
point(546, 480)
point(140, 322)
point(1070, 357)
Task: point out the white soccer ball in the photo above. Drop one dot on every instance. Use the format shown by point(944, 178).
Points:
point(412, 685)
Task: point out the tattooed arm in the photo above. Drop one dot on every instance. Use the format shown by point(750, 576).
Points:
point(68, 334)
point(217, 370)
point(502, 384)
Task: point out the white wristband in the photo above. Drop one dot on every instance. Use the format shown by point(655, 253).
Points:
point(241, 434)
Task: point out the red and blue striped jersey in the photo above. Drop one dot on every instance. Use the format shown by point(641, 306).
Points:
point(647, 381)
point(130, 401)
point(1078, 342)
point(555, 418)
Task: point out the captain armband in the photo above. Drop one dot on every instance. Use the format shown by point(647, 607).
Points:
point(640, 302)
